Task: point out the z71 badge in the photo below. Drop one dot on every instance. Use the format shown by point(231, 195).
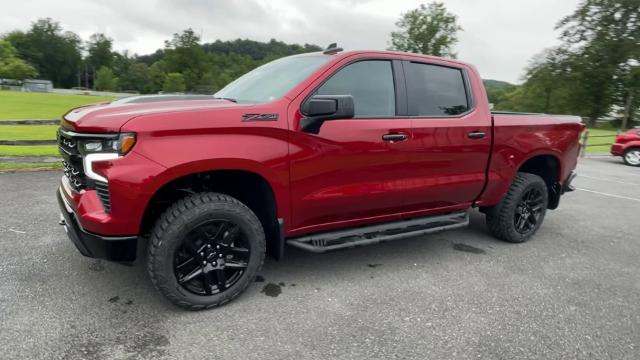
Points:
point(259, 117)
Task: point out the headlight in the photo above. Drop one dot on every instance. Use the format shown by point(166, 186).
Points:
point(121, 144)
point(104, 148)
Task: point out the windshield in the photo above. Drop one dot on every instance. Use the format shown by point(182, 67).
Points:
point(272, 80)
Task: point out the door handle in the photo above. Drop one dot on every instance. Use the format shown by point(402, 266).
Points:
point(476, 135)
point(394, 137)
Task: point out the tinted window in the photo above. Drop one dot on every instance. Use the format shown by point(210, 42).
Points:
point(435, 90)
point(371, 85)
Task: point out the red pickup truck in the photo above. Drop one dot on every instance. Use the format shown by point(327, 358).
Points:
point(319, 151)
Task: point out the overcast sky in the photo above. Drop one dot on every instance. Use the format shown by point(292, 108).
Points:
point(499, 37)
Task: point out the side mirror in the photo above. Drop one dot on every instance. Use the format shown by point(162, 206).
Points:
point(320, 108)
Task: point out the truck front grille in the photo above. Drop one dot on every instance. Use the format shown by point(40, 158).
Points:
point(76, 177)
point(74, 170)
point(72, 160)
point(68, 144)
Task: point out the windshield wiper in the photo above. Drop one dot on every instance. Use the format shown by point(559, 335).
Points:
point(226, 98)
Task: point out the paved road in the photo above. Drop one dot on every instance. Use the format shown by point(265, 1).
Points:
point(572, 292)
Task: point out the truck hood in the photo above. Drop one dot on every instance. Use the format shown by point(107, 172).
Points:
point(110, 117)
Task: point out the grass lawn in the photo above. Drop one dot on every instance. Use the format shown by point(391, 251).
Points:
point(28, 132)
point(16, 105)
point(29, 166)
point(30, 106)
point(41, 150)
point(610, 138)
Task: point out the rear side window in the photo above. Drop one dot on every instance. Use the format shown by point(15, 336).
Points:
point(435, 90)
point(370, 83)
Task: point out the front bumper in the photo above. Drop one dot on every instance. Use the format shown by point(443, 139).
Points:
point(617, 149)
point(113, 248)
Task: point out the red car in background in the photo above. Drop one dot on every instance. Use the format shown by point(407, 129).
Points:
point(627, 145)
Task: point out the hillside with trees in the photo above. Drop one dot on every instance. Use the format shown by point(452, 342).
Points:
point(184, 64)
point(594, 73)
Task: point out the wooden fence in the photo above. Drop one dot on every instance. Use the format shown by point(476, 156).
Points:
point(584, 143)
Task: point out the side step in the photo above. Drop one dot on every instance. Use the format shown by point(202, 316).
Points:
point(341, 239)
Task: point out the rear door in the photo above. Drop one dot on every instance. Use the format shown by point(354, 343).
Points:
point(348, 172)
point(451, 141)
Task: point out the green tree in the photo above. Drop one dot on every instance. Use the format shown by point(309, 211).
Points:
point(54, 53)
point(550, 85)
point(106, 80)
point(258, 50)
point(207, 84)
point(13, 67)
point(122, 63)
point(157, 76)
point(605, 36)
point(183, 54)
point(174, 83)
point(99, 49)
point(137, 77)
point(429, 29)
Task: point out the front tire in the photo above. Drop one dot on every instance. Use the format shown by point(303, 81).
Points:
point(521, 211)
point(205, 250)
point(631, 157)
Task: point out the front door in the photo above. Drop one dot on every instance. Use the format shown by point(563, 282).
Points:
point(348, 172)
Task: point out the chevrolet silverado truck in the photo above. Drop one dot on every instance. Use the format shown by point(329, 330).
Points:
point(319, 151)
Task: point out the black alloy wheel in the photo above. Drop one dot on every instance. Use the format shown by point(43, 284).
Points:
point(521, 211)
point(205, 250)
point(212, 257)
point(528, 211)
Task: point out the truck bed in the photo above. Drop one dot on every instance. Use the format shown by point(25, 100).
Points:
point(521, 136)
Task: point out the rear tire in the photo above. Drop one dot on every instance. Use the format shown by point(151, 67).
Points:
point(631, 157)
point(205, 250)
point(521, 211)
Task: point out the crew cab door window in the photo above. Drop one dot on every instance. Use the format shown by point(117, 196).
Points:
point(435, 90)
point(370, 83)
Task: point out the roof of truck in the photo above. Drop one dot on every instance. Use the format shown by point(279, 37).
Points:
point(344, 54)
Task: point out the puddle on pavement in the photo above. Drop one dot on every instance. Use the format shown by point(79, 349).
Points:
point(468, 248)
point(272, 289)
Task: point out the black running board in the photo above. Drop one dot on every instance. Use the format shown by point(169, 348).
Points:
point(341, 239)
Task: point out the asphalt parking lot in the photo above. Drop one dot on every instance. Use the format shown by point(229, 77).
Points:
point(573, 292)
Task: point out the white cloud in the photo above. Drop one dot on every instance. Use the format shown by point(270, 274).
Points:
point(500, 36)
